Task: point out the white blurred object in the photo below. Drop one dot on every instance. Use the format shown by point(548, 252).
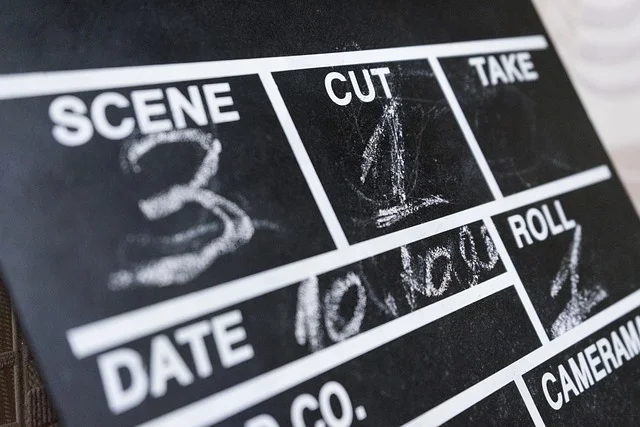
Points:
point(599, 43)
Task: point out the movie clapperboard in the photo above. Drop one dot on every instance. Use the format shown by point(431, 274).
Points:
point(312, 214)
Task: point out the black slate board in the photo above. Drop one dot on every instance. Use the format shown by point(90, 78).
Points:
point(283, 213)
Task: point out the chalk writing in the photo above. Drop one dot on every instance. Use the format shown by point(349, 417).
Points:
point(235, 228)
point(338, 328)
point(308, 328)
point(309, 311)
point(582, 300)
point(471, 257)
point(422, 279)
point(390, 125)
point(330, 314)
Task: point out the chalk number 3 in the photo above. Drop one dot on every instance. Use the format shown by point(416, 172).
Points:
point(236, 226)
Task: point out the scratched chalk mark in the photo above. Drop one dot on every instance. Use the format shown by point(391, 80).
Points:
point(232, 228)
point(582, 300)
point(418, 268)
point(390, 126)
point(311, 309)
point(471, 257)
point(332, 308)
point(418, 276)
point(338, 327)
point(308, 329)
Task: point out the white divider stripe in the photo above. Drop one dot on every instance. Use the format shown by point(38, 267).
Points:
point(55, 82)
point(477, 392)
point(466, 129)
point(229, 402)
point(309, 172)
point(522, 292)
point(113, 331)
point(529, 403)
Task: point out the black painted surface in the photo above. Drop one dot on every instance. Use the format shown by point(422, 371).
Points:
point(270, 320)
point(434, 161)
point(530, 132)
point(607, 254)
point(70, 218)
point(502, 408)
point(67, 213)
point(78, 209)
point(58, 35)
point(612, 401)
point(412, 374)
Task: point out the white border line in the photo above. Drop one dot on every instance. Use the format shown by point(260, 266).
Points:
point(111, 332)
point(522, 292)
point(466, 129)
point(484, 388)
point(309, 172)
point(231, 401)
point(529, 403)
point(55, 82)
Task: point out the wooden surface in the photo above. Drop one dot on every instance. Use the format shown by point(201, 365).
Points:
point(23, 399)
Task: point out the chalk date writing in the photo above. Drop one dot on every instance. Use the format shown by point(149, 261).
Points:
point(340, 304)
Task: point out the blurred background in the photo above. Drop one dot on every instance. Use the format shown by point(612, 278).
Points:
point(599, 43)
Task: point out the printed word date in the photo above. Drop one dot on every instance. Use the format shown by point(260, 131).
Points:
point(128, 378)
